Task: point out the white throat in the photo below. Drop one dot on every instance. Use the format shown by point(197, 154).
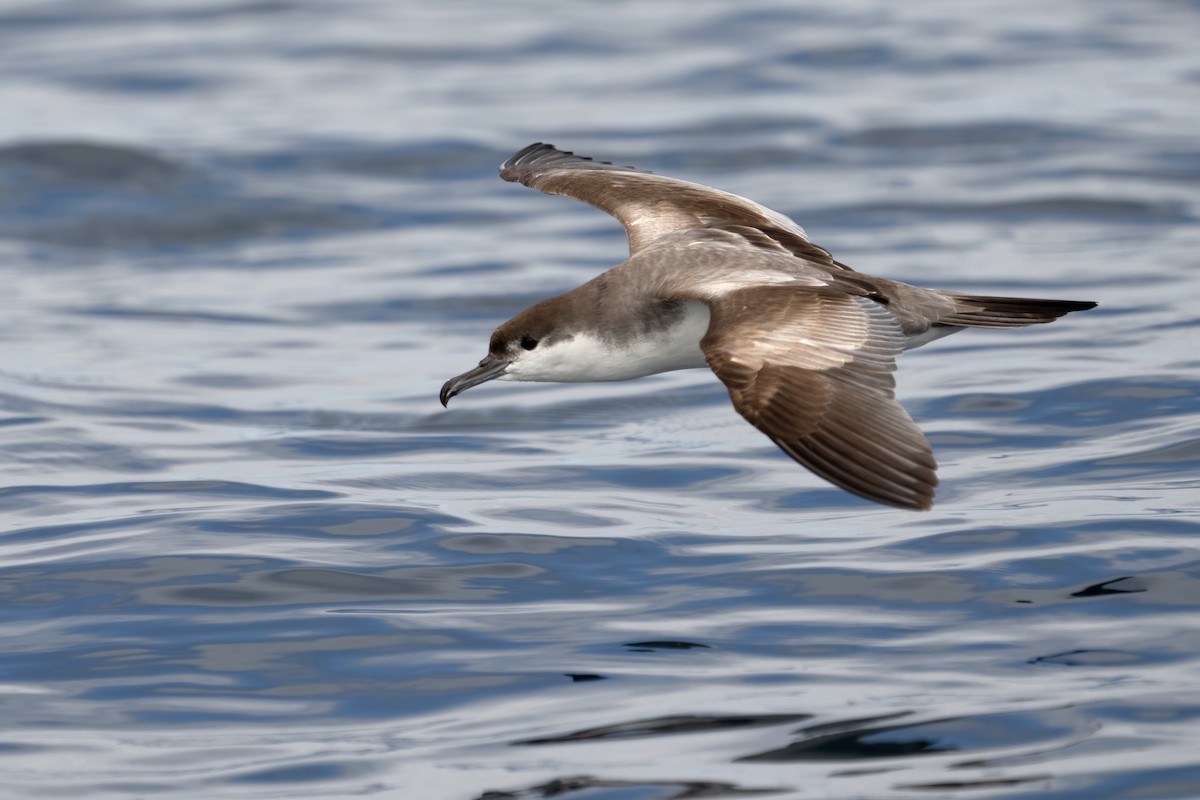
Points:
point(589, 358)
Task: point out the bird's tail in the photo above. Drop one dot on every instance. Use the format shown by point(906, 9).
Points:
point(975, 311)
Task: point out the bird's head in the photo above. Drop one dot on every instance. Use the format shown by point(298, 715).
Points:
point(529, 347)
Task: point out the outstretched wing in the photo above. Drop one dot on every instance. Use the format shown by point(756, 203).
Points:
point(651, 206)
point(812, 369)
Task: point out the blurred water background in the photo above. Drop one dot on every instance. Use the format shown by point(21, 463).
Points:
point(246, 554)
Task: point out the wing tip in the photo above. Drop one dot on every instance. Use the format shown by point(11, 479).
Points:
point(923, 503)
point(855, 471)
point(537, 154)
point(510, 169)
point(515, 168)
point(915, 494)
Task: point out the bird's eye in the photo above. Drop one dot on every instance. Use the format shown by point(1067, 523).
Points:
point(528, 342)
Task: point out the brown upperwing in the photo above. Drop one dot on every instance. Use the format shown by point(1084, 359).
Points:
point(812, 369)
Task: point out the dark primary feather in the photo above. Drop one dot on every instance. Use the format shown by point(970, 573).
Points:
point(540, 155)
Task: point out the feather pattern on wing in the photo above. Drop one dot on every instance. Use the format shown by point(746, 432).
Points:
point(651, 206)
point(812, 369)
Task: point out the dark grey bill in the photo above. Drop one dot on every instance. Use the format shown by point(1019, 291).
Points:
point(490, 367)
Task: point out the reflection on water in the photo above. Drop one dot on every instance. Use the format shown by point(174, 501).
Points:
point(247, 554)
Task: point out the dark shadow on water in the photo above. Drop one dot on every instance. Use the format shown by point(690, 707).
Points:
point(926, 738)
point(979, 785)
point(1126, 585)
point(1091, 658)
point(584, 677)
point(595, 789)
point(849, 746)
point(667, 726)
point(650, 647)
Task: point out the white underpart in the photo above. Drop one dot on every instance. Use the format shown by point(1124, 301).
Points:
point(589, 358)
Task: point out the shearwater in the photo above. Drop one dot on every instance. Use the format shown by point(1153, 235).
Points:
point(805, 345)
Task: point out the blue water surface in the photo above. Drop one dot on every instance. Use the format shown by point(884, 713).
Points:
point(246, 553)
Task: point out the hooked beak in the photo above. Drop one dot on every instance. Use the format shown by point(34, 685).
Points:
point(491, 367)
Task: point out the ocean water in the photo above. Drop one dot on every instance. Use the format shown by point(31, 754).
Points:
point(246, 553)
